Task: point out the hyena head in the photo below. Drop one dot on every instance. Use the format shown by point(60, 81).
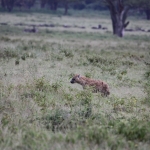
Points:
point(75, 79)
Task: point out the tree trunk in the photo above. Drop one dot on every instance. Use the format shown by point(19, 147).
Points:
point(55, 5)
point(118, 14)
point(3, 3)
point(43, 3)
point(147, 11)
point(66, 8)
point(10, 5)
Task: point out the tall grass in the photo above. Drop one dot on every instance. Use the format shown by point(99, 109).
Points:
point(40, 109)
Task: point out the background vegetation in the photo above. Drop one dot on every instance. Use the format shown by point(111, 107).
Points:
point(40, 109)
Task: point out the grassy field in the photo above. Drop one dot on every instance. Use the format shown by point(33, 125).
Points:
point(41, 110)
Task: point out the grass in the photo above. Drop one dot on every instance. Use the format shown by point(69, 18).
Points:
point(40, 109)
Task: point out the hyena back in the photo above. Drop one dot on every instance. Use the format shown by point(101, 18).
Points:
point(97, 85)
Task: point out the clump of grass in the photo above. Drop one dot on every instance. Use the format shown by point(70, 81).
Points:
point(56, 86)
point(41, 84)
point(88, 74)
point(6, 39)
point(55, 120)
point(34, 109)
point(94, 134)
point(68, 53)
point(85, 96)
point(134, 130)
point(147, 87)
point(98, 60)
point(58, 57)
point(8, 53)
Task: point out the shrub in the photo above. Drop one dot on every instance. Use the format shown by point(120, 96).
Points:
point(53, 120)
point(99, 61)
point(85, 96)
point(134, 130)
point(41, 84)
point(94, 134)
point(68, 53)
point(8, 53)
point(147, 87)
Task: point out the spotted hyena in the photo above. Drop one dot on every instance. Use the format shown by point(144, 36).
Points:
point(97, 85)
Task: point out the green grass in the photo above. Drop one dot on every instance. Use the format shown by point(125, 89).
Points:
point(40, 109)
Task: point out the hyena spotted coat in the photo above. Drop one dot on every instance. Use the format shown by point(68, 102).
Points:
point(97, 85)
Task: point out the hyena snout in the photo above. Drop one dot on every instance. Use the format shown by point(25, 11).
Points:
point(75, 79)
point(72, 81)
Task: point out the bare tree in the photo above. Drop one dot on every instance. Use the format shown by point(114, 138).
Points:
point(8, 4)
point(118, 11)
point(43, 3)
point(66, 4)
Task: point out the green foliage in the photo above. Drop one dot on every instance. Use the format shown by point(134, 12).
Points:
point(85, 96)
point(8, 53)
point(147, 87)
point(55, 120)
point(134, 130)
point(31, 137)
point(93, 134)
point(56, 86)
point(68, 53)
point(88, 74)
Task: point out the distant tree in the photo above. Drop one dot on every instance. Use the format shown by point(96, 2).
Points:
point(53, 4)
point(8, 4)
point(43, 3)
point(142, 4)
point(29, 3)
point(3, 3)
point(66, 4)
point(118, 11)
point(89, 1)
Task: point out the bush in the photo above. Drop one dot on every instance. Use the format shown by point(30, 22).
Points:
point(94, 134)
point(54, 119)
point(134, 130)
point(147, 87)
point(8, 53)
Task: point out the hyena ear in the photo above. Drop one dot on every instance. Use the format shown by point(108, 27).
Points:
point(102, 83)
point(78, 75)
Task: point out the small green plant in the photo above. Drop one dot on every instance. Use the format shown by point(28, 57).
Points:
point(94, 134)
point(56, 86)
point(6, 39)
point(85, 96)
point(88, 74)
point(6, 119)
point(68, 97)
point(40, 98)
point(8, 53)
point(147, 87)
point(41, 84)
point(68, 53)
point(53, 120)
point(134, 130)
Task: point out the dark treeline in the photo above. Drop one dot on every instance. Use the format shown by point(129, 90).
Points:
point(9, 5)
point(118, 8)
